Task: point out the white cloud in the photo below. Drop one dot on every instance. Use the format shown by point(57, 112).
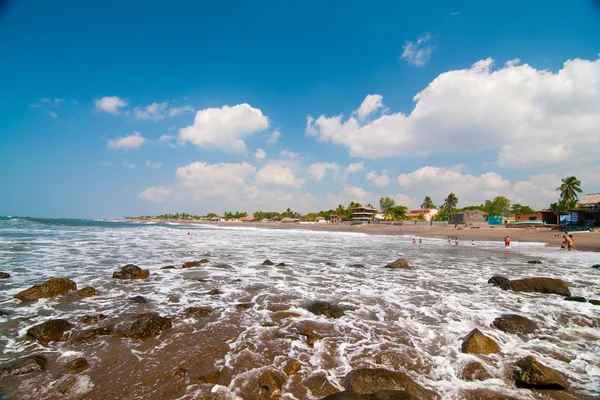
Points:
point(223, 180)
point(418, 53)
point(260, 154)
point(154, 165)
point(154, 112)
point(354, 168)
point(176, 111)
point(134, 141)
point(289, 154)
point(156, 194)
point(223, 128)
point(346, 195)
point(370, 104)
point(274, 137)
point(378, 180)
point(276, 175)
point(129, 165)
point(530, 117)
point(318, 170)
point(110, 104)
point(455, 13)
point(169, 139)
point(52, 114)
point(402, 199)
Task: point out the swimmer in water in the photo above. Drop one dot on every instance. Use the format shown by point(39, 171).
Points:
point(473, 242)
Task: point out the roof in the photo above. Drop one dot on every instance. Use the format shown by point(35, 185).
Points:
point(365, 208)
point(590, 199)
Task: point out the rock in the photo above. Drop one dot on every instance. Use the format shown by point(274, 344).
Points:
point(23, 366)
point(347, 396)
point(381, 395)
point(529, 373)
point(148, 325)
point(319, 385)
point(595, 302)
point(91, 319)
point(366, 381)
point(215, 292)
point(77, 366)
point(285, 314)
point(356, 265)
point(49, 331)
point(244, 306)
point(267, 262)
point(168, 267)
point(292, 367)
point(197, 312)
point(541, 285)
point(52, 288)
point(90, 334)
point(87, 292)
point(281, 264)
point(66, 386)
point(222, 266)
point(138, 299)
point(477, 343)
point(324, 308)
point(399, 263)
point(500, 281)
point(512, 323)
point(578, 299)
point(211, 378)
point(271, 381)
point(131, 271)
point(473, 371)
point(597, 266)
point(534, 262)
point(191, 264)
point(4, 275)
point(483, 394)
point(305, 330)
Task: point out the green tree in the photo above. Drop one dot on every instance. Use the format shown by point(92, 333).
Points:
point(518, 208)
point(450, 203)
point(569, 189)
point(428, 203)
point(385, 203)
point(498, 206)
point(396, 213)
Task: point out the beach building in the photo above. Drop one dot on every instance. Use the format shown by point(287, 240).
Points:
point(288, 220)
point(417, 214)
point(547, 217)
point(364, 214)
point(321, 220)
point(590, 209)
point(249, 218)
point(334, 218)
point(471, 217)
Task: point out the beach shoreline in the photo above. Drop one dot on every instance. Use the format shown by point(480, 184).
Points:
point(584, 241)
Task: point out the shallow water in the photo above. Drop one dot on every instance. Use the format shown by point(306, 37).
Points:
point(411, 320)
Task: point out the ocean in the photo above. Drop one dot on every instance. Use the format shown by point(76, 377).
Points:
point(411, 320)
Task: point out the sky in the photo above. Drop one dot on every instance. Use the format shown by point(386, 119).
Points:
point(112, 109)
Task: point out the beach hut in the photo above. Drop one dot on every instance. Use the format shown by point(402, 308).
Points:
point(290, 220)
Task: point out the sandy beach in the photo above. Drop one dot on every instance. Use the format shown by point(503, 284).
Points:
point(584, 241)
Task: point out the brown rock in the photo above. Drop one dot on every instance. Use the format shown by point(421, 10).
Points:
point(500, 281)
point(307, 331)
point(347, 396)
point(595, 302)
point(91, 334)
point(215, 292)
point(529, 373)
point(191, 264)
point(541, 285)
point(211, 378)
point(4, 275)
point(23, 366)
point(365, 381)
point(477, 343)
point(131, 271)
point(92, 319)
point(77, 366)
point(138, 299)
point(577, 299)
point(392, 395)
point(473, 371)
point(319, 385)
point(284, 314)
point(267, 262)
point(400, 263)
point(244, 306)
point(197, 312)
point(49, 331)
point(483, 394)
point(148, 325)
point(52, 288)
point(87, 292)
point(324, 308)
point(512, 323)
point(168, 267)
point(292, 367)
point(271, 381)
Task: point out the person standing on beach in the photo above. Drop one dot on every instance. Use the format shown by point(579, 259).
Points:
point(456, 241)
point(563, 245)
point(507, 242)
point(570, 242)
point(420, 241)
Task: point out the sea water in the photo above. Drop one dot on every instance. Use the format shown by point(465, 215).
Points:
point(412, 320)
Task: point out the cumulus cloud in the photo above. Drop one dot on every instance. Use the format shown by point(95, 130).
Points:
point(215, 180)
point(134, 141)
point(260, 154)
point(289, 154)
point(274, 137)
point(354, 168)
point(418, 52)
point(156, 194)
point(224, 128)
point(110, 104)
point(511, 111)
point(158, 111)
point(378, 180)
point(154, 165)
point(276, 175)
point(347, 194)
point(370, 104)
point(318, 171)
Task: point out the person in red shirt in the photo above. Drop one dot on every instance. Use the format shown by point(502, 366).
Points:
point(507, 241)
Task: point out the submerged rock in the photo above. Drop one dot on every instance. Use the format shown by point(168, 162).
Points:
point(484, 394)
point(473, 371)
point(281, 264)
point(325, 308)
point(51, 288)
point(267, 262)
point(318, 384)
point(211, 378)
point(381, 395)
point(477, 343)
point(596, 266)
point(197, 312)
point(271, 382)
point(23, 366)
point(367, 381)
point(304, 329)
point(534, 262)
point(512, 323)
point(541, 285)
point(49, 331)
point(90, 334)
point(92, 319)
point(500, 281)
point(148, 325)
point(4, 275)
point(168, 267)
point(578, 299)
point(529, 373)
point(398, 264)
point(191, 264)
point(356, 265)
point(131, 271)
point(77, 366)
point(292, 367)
point(595, 302)
point(215, 292)
point(87, 292)
point(138, 299)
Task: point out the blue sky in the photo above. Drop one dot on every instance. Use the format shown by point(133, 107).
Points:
point(126, 108)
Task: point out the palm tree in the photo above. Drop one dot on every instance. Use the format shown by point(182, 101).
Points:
point(569, 189)
point(450, 203)
point(427, 203)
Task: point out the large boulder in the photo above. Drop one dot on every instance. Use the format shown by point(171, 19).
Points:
point(325, 308)
point(4, 275)
point(131, 271)
point(500, 281)
point(318, 384)
point(52, 288)
point(400, 263)
point(541, 285)
point(512, 323)
point(477, 343)
point(148, 325)
point(271, 382)
point(367, 381)
point(23, 366)
point(49, 331)
point(529, 373)
point(191, 264)
point(87, 292)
